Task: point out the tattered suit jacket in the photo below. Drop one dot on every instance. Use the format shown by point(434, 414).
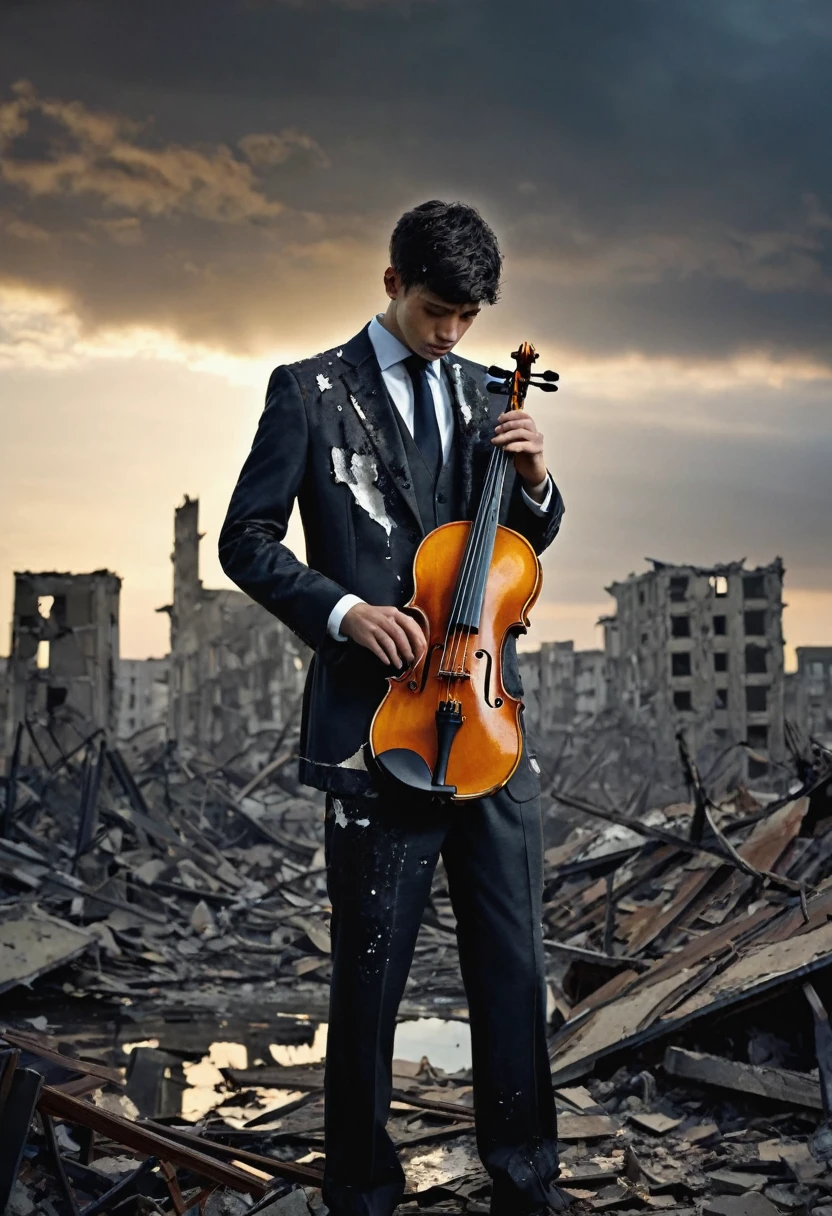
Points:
point(328, 438)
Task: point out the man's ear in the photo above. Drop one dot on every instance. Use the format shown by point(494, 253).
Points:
point(392, 285)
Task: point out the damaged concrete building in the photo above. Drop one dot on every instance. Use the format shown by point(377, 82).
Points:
point(236, 672)
point(64, 656)
point(142, 696)
point(701, 650)
point(811, 692)
point(562, 684)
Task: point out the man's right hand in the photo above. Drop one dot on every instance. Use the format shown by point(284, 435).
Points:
point(392, 635)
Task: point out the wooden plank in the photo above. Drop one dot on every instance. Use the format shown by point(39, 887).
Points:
point(779, 1084)
point(40, 1046)
point(148, 1143)
point(275, 1076)
point(306, 1175)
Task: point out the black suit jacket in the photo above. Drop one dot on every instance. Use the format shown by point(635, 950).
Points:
point(328, 438)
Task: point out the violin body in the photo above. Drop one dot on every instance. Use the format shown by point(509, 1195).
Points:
point(488, 745)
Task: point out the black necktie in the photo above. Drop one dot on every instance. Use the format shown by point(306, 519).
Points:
point(425, 426)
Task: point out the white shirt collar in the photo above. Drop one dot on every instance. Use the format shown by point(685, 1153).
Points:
point(389, 350)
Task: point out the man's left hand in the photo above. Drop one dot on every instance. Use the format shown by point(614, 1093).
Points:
point(516, 433)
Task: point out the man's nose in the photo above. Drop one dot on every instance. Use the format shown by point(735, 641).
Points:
point(447, 334)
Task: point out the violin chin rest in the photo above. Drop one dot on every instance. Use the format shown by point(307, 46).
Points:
point(410, 769)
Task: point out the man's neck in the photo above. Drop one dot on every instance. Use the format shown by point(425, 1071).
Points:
point(388, 321)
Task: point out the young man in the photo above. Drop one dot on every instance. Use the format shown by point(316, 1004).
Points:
point(380, 441)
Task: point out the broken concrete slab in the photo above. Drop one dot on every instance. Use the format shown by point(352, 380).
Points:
point(32, 945)
point(751, 1204)
point(654, 1121)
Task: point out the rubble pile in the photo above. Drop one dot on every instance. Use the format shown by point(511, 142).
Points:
point(157, 912)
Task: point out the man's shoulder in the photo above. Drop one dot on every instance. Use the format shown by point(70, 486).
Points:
point(314, 365)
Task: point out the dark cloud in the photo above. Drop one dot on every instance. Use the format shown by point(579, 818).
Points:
point(656, 171)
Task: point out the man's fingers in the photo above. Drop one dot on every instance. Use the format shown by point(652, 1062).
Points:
point(414, 632)
point(373, 646)
point(387, 644)
point(401, 641)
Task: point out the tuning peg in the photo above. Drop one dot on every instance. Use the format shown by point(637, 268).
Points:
point(545, 388)
point(497, 386)
point(547, 375)
point(499, 371)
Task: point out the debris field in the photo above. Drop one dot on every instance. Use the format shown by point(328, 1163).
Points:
point(164, 958)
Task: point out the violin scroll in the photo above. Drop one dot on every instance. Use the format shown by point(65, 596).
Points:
point(516, 384)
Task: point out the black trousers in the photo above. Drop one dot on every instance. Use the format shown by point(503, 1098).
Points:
point(381, 852)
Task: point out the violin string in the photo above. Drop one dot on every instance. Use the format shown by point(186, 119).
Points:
point(463, 600)
point(471, 553)
point(496, 473)
point(451, 636)
point(469, 580)
point(498, 493)
point(473, 546)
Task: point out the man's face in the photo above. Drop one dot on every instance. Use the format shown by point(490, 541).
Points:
point(429, 325)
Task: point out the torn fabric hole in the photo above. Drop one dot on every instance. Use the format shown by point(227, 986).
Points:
point(360, 475)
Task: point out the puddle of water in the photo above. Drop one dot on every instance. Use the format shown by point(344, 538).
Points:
point(301, 1053)
point(447, 1044)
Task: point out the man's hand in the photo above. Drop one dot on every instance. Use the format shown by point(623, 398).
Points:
point(516, 433)
point(392, 635)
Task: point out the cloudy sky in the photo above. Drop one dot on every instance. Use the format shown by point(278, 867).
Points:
point(192, 192)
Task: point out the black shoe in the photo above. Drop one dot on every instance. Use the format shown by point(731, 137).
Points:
point(559, 1201)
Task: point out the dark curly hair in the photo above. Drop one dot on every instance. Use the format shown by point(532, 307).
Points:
point(448, 248)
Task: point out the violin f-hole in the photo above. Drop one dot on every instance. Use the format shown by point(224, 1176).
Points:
point(497, 702)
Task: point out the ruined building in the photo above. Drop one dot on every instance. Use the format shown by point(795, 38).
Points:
point(701, 650)
point(236, 672)
point(142, 697)
point(561, 685)
point(812, 692)
point(61, 671)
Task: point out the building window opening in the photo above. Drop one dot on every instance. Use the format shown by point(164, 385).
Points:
point(678, 588)
point(756, 698)
point(45, 604)
point(719, 585)
point(720, 623)
point(754, 587)
point(43, 656)
point(721, 698)
point(680, 663)
point(681, 700)
point(755, 624)
point(755, 660)
point(758, 736)
point(680, 626)
point(721, 660)
point(55, 697)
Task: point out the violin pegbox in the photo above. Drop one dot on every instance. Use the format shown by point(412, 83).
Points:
point(515, 384)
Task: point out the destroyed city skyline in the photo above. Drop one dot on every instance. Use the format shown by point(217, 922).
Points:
point(179, 215)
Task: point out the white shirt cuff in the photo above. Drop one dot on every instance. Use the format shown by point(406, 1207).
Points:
point(333, 625)
point(539, 508)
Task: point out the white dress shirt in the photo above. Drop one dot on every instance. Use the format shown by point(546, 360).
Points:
point(390, 353)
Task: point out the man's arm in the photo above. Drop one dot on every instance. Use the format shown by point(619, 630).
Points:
point(251, 548)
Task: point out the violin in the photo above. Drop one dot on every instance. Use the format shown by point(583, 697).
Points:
point(447, 725)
